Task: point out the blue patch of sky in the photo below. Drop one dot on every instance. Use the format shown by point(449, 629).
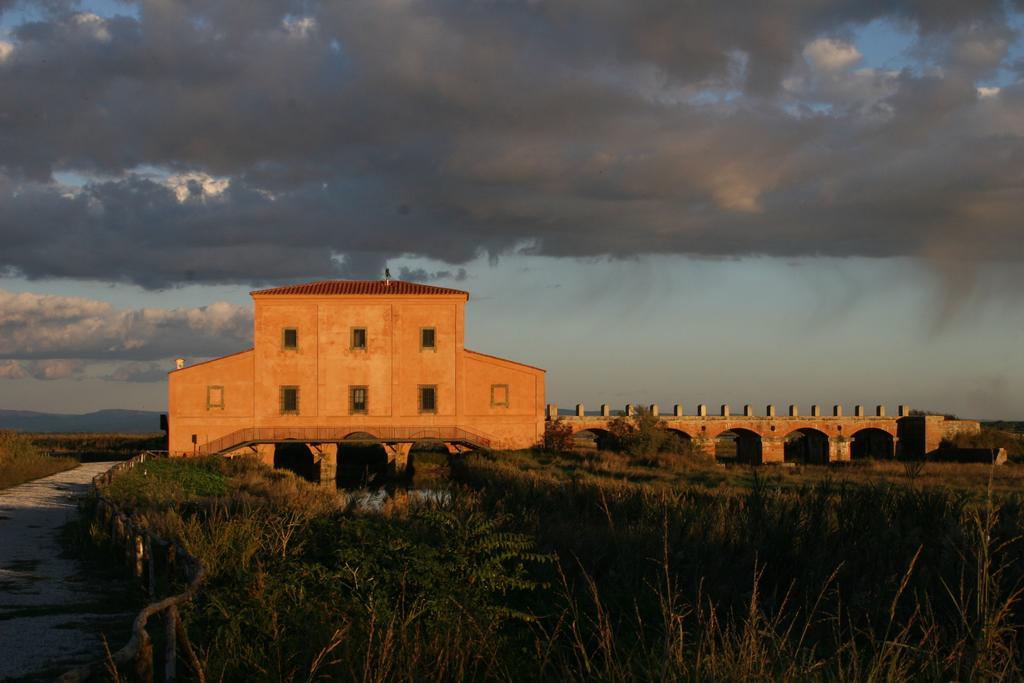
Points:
point(886, 44)
point(25, 12)
point(714, 97)
point(1008, 74)
point(889, 45)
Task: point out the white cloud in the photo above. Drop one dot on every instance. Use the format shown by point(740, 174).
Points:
point(828, 54)
point(299, 27)
point(140, 371)
point(985, 91)
point(12, 369)
point(197, 185)
point(5, 50)
point(37, 327)
point(52, 368)
point(92, 24)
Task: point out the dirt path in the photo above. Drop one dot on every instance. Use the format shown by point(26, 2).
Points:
point(50, 617)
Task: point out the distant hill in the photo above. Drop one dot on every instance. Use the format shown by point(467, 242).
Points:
point(99, 421)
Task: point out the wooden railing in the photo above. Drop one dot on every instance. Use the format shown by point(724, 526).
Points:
point(387, 433)
point(152, 561)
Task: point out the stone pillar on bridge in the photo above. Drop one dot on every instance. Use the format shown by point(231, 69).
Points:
point(903, 410)
point(815, 411)
point(398, 457)
point(838, 449)
point(606, 410)
point(837, 410)
point(654, 410)
point(580, 412)
point(794, 410)
point(773, 449)
point(702, 410)
point(552, 411)
point(630, 410)
point(880, 411)
point(677, 410)
point(770, 410)
point(858, 411)
point(328, 463)
point(725, 410)
point(748, 410)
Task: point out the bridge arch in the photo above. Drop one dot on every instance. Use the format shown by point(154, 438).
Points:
point(679, 441)
point(361, 457)
point(592, 438)
point(806, 445)
point(716, 428)
point(296, 457)
point(738, 444)
point(366, 437)
point(872, 442)
point(428, 451)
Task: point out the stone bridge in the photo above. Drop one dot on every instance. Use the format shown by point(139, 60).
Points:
point(772, 438)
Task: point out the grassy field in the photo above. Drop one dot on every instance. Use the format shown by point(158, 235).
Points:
point(91, 447)
point(21, 460)
point(675, 471)
point(541, 565)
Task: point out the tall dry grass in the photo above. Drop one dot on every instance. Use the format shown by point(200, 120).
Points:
point(579, 568)
point(22, 461)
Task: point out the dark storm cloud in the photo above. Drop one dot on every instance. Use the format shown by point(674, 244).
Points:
point(298, 139)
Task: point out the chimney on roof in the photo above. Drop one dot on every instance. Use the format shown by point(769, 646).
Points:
point(179, 363)
point(387, 277)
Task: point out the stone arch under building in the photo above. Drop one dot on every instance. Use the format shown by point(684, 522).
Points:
point(872, 442)
point(807, 446)
point(361, 459)
point(433, 451)
point(738, 445)
point(296, 457)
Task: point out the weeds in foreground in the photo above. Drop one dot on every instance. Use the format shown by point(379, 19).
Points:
point(529, 574)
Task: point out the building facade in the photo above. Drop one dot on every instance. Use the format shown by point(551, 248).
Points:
point(337, 360)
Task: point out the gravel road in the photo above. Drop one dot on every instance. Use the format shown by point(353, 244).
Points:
point(50, 615)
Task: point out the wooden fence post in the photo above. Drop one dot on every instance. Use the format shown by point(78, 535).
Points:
point(150, 564)
point(144, 659)
point(138, 552)
point(170, 644)
point(172, 560)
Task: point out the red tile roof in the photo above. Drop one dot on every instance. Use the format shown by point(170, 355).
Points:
point(359, 287)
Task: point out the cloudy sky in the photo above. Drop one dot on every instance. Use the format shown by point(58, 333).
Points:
point(799, 201)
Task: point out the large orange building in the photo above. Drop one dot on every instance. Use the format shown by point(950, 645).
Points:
point(376, 359)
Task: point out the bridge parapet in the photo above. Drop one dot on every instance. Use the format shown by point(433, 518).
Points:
point(910, 435)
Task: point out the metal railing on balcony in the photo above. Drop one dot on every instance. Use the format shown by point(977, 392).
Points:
point(349, 433)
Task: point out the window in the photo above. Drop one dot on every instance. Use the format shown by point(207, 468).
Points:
point(428, 338)
point(289, 338)
point(358, 400)
point(359, 338)
point(428, 398)
point(289, 400)
point(499, 396)
point(214, 397)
